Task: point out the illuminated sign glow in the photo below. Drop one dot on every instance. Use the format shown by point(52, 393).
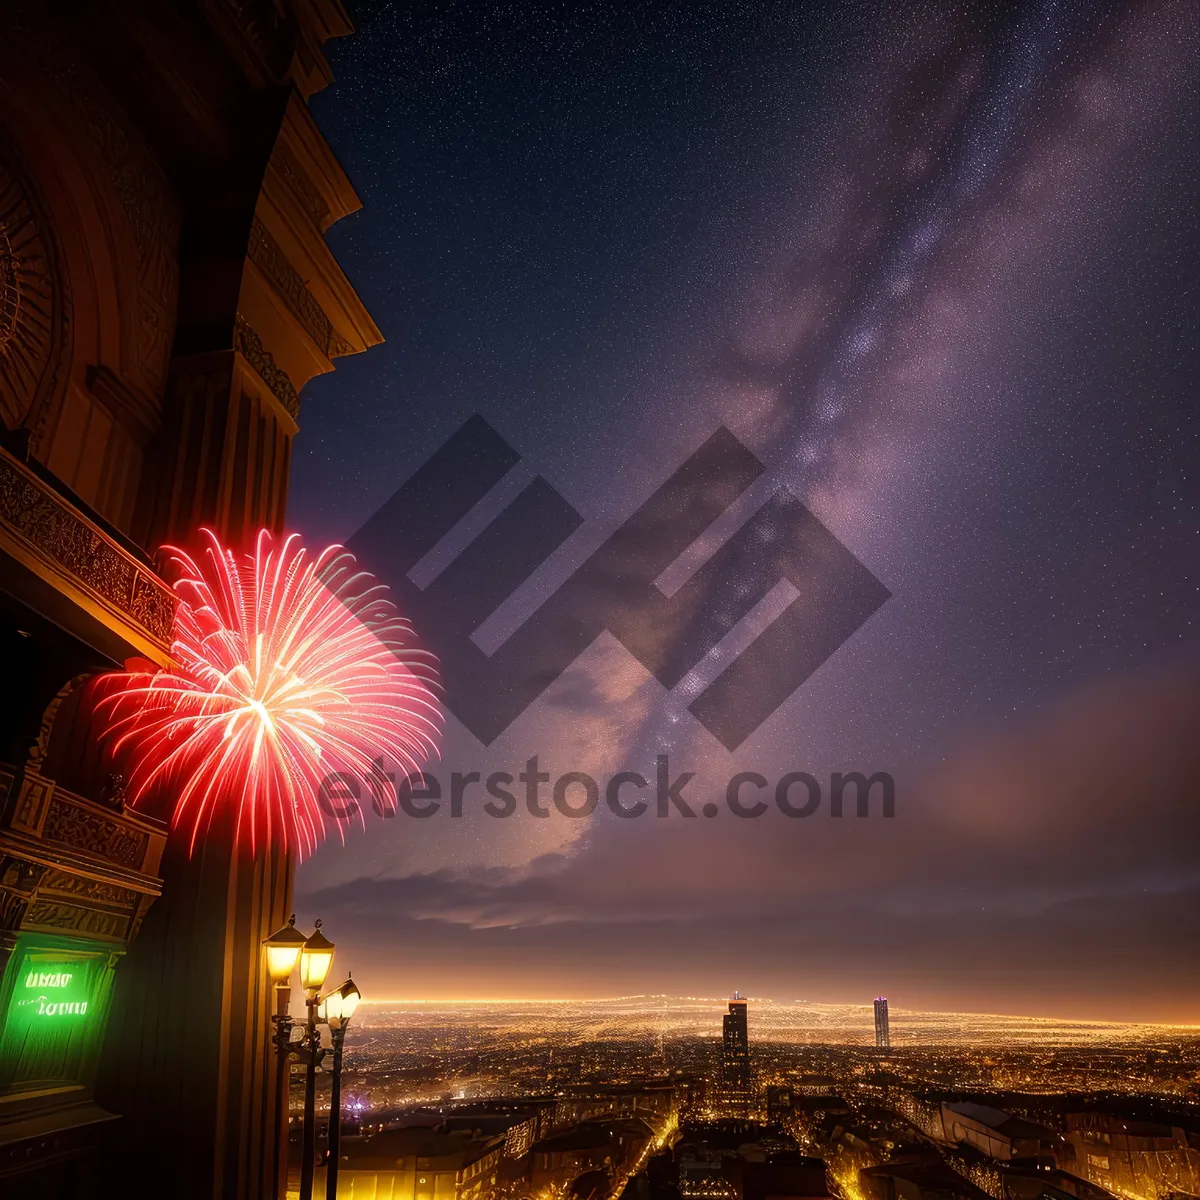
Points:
point(46, 1003)
point(51, 1008)
point(48, 979)
point(53, 1004)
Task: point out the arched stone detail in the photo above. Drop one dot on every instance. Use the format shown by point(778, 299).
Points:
point(105, 208)
point(37, 753)
point(35, 308)
point(111, 187)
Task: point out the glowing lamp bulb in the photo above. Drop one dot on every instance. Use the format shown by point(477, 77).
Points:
point(316, 955)
point(338, 1007)
point(283, 949)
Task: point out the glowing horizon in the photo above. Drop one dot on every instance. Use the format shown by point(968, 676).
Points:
point(716, 1001)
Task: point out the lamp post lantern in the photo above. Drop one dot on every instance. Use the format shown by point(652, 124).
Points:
point(283, 950)
point(336, 1010)
point(315, 957)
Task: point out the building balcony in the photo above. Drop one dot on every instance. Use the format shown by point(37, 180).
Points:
point(64, 562)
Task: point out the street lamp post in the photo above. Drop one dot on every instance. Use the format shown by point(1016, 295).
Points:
point(315, 958)
point(282, 950)
point(282, 953)
point(336, 1010)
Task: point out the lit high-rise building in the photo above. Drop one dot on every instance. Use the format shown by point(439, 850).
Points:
point(882, 1036)
point(735, 1057)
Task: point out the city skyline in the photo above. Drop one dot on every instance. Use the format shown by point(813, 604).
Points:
point(432, 1001)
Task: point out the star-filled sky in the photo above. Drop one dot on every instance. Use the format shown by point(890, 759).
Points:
point(936, 265)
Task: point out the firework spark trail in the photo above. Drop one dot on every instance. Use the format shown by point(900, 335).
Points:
point(290, 668)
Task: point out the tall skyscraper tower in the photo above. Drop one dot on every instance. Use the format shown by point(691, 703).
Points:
point(882, 1036)
point(735, 1058)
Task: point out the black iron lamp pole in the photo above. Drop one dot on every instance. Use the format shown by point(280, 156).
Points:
point(281, 952)
point(336, 1010)
point(308, 1140)
point(314, 966)
point(283, 949)
point(335, 1115)
point(281, 1039)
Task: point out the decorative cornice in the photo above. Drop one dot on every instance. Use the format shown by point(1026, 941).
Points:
point(266, 254)
point(247, 342)
point(303, 188)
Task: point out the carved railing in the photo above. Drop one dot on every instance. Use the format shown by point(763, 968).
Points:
point(70, 865)
point(43, 531)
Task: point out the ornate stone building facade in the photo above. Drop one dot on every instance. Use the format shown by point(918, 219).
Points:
point(166, 291)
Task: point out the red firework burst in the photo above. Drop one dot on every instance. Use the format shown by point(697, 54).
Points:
point(290, 667)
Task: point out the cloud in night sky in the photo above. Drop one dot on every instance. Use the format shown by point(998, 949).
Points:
point(937, 268)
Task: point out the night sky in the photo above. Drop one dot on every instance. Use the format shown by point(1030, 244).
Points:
point(936, 265)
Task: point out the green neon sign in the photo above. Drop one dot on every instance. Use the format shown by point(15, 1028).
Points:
point(54, 990)
point(53, 1006)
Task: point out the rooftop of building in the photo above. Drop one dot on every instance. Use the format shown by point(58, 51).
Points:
point(388, 1150)
point(931, 1177)
point(598, 1131)
point(483, 1124)
point(590, 1136)
point(1002, 1122)
point(802, 1178)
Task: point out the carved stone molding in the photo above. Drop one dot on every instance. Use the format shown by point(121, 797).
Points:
point(74, 825)
point(66, 885)
point(73, 918)
point(33, 802)
point(37, 516)
point(74, 1141)
point(77, 904)
point(299, 184)
point(247, 342)
point(18, 882)
point(139, 915)
point(77, 866)
point(266, 254)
